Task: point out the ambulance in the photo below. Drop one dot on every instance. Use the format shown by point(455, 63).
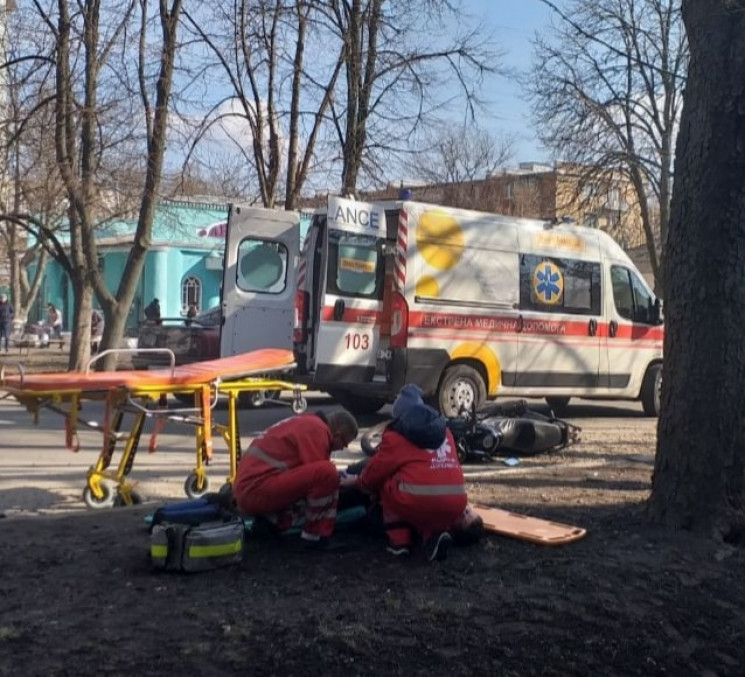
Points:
point(470, 306)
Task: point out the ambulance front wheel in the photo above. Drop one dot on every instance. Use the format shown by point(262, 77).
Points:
point(652, 390)
point(192, 488)
point(558, 404)
point(357, 404)
point(461, 388)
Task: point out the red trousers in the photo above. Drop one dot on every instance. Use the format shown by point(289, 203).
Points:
point(428, 515)
point(315, 486)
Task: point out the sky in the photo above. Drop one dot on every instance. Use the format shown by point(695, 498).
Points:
point(514, 23)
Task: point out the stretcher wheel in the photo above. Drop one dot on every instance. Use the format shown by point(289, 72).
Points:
point(134, 496)
point(299, 405)
point(191, 486)
point(106, 500)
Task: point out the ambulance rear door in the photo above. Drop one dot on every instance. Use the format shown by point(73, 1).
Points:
point(349, 298)
point(259, 279)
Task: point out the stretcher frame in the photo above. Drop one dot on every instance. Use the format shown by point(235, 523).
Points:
point(144, 394)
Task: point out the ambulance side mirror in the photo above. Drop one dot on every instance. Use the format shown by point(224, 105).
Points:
point(657, 317)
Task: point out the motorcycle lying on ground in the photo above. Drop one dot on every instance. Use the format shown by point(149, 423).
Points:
point(498, 430)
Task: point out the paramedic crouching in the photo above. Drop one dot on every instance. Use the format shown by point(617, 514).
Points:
point(417, 478)
point(286, 476)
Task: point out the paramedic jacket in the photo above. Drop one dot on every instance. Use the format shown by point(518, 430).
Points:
point(293, 442)
point(416, 470)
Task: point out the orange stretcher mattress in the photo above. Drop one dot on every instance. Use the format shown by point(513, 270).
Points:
point(526, 528)
point(226, 369)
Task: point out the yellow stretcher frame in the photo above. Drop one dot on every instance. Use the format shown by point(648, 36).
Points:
point(229, 377)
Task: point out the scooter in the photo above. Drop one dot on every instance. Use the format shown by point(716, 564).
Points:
point(498, 430)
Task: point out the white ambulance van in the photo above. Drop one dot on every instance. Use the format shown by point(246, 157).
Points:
point(470, 306)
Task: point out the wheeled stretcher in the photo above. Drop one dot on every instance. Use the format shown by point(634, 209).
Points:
point(143, 394)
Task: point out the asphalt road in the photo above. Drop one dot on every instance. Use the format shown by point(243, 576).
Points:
point(38, 474)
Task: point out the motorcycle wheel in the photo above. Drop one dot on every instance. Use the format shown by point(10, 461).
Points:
point(370, 440)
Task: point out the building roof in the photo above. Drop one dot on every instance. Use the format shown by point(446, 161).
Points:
point(186, 223)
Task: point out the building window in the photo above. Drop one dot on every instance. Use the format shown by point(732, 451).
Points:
point(589, 191)
point(191, 293)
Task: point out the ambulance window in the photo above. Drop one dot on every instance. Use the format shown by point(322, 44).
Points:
point(622, 297)
point(261, 266)
point(555, 285)
point(632, 299)
point(354, 267)
point(643, 301)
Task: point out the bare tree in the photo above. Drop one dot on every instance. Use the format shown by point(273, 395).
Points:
point(405, 64)
point(336, 88)
point(260, 47)
point(460, 154)
point(699, 475)
point(606, 93)
point(32, 200)
point(99, 85)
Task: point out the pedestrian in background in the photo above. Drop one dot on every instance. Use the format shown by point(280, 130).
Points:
point(54, 321)
point(6, 319)
point(152, 311)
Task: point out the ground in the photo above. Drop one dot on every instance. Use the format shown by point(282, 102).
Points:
point(79, 597)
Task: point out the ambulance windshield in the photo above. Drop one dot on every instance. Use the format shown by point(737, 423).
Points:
point(355, 266)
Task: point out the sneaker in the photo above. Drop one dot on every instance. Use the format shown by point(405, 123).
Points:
point(436, 548)
point(398, 550)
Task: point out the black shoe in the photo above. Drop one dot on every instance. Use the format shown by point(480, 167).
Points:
point(325, 545)
point(436, 548)
point(263, 528)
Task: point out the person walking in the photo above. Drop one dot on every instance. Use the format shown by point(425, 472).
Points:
point(6, 319)
point(152, 311)
point(54, 320)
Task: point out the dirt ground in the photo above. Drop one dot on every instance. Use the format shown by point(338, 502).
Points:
point(79, 597)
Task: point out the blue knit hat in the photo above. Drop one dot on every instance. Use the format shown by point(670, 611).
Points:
point(409, 396)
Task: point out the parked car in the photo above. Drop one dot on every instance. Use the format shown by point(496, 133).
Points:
point(191, 340)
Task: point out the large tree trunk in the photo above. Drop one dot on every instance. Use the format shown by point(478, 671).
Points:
point(699, 479)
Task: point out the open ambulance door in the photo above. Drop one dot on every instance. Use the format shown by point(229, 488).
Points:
point(259, 279)
point(348, 288)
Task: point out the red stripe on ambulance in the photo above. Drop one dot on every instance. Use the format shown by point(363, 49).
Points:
point(402, 246)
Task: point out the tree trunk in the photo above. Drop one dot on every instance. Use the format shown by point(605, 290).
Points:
point(80, 346)
point(699, 478)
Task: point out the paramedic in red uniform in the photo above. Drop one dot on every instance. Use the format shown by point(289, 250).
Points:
point(287, 474)
point(416, 476)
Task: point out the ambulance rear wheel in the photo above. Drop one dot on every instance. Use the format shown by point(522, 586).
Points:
point(461, 389)
point(558, 404)
point(652, 390)
point(370, 440)
point(357, 404)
